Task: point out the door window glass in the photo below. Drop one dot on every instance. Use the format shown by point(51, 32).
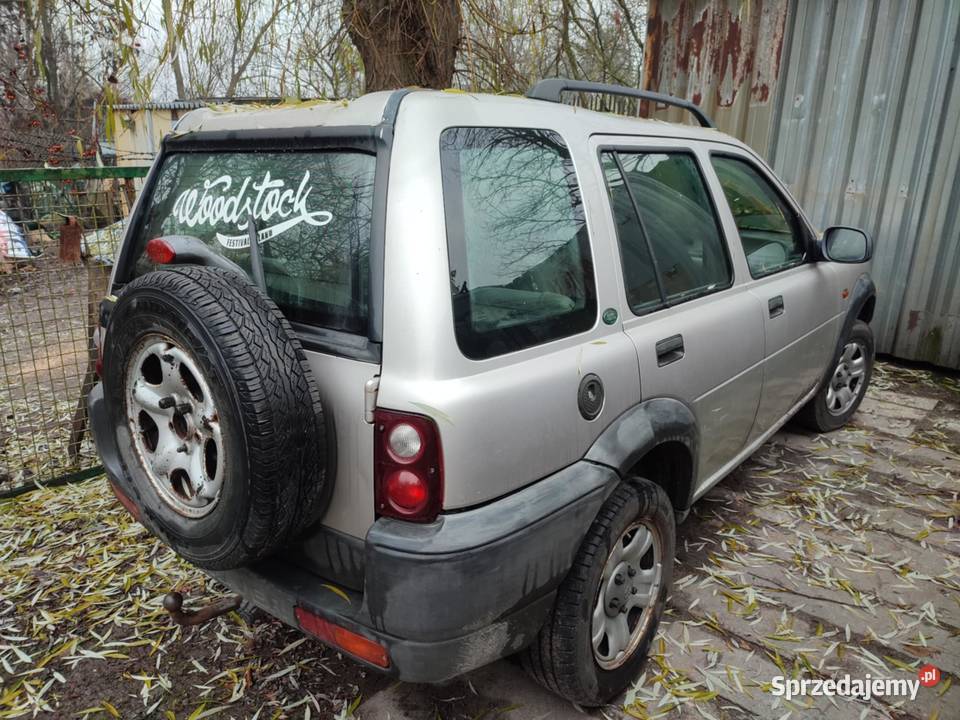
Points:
point(664, 215)
point(639, 274)
point(520, 267)
point(769, 231)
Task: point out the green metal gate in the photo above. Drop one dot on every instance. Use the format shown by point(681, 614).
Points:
point(59, 232)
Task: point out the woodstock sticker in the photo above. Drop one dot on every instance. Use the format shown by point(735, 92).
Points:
point(266, 200)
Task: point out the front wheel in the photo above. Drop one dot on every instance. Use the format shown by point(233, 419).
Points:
point(840, 396)
point(608, 607)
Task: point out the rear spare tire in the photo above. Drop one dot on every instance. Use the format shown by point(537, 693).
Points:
point(218, 420)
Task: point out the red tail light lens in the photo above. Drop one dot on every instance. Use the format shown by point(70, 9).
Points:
point(407, 491)
point(408, 466)
point(160, 251)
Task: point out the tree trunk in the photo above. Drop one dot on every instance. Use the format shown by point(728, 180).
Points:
point(48, 55)
point(405, 42)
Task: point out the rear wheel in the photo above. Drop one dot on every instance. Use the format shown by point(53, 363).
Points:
point(609, 606)
point(840, 396)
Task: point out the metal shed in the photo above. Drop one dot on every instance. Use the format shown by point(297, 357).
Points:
point(856, 105)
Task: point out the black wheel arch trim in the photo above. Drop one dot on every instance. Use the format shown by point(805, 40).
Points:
point(864, 290)
point(643, 427)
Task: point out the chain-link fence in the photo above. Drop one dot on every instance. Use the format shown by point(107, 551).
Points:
point(59, 232)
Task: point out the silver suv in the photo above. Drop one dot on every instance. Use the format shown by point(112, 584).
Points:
point(433, 375)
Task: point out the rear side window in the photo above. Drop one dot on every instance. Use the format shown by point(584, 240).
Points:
point(671, 246)
point(769, 231)
point(312, 212)
point(520, 267)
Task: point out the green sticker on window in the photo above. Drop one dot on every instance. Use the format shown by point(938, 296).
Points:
point(609, 316)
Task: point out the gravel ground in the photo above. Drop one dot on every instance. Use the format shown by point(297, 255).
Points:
point(822, 555)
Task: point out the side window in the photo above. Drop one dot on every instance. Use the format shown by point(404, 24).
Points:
point(520, 267)
point(770, 233)
point(671, 246)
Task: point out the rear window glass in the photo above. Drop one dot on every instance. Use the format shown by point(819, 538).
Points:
point(312, 213)
point(520, 266)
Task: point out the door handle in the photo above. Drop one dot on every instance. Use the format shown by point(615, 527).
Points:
point(775, 304)
point(669, 350)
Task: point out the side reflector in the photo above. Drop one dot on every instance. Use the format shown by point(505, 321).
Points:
point(127, 503)
point(350, 642)
point(160, 252)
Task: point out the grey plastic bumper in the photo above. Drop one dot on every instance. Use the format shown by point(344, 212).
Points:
point(444, 597)
point(456, 594)
point(468, 569)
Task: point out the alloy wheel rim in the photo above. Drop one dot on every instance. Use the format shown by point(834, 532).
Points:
point(627, 595)
point(175, 426)
point(847, 379)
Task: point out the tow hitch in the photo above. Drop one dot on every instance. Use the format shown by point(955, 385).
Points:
point(173, 604)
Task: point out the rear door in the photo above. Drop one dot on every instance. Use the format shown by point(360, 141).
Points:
point(800, 310)
point(698, 332)
point(312, 208)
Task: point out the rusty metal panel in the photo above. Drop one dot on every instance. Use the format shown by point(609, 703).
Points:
point(857, 106)
point(725, 56)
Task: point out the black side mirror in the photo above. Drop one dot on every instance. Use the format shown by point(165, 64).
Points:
point(844, 244)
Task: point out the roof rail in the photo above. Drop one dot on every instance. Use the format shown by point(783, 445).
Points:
point(550, 90)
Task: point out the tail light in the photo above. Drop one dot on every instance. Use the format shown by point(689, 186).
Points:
point(408, 466)
point(98, 346)
point(161, 252)
point(99, 335)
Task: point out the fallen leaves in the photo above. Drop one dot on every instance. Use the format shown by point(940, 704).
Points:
point(83, 632)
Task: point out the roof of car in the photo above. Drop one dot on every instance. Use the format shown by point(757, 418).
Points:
point(368, 110)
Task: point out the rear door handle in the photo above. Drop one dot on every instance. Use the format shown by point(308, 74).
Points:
point(669, 350)
point(775, 304)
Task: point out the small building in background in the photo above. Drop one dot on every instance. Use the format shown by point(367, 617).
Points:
point(856, 105)
point(138, 128)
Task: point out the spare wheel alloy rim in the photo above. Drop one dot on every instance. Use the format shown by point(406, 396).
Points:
point(175, 426)
point(627, 597)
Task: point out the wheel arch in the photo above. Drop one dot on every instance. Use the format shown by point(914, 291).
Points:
point(865, 312)
point(863, 300)
point(658, 439)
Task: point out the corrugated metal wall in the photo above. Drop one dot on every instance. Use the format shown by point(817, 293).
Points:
point(856, 104)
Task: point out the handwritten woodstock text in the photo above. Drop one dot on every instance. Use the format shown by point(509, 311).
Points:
point(265, 200)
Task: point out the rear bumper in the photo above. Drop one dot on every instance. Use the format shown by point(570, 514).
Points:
point(281, 588)
point(444, 597)
point(453, 595)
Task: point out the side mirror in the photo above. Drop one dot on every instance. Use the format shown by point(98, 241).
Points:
point(846, 245)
